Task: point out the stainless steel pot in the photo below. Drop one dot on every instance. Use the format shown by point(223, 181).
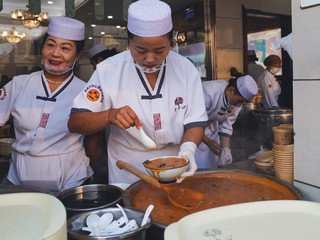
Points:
point(265, 119)
point(75, 223)
point(90, 197)
point(273, 116)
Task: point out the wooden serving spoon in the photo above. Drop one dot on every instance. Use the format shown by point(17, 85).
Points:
point(179, 196)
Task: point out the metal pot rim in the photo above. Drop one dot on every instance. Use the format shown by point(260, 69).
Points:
point(80, 189)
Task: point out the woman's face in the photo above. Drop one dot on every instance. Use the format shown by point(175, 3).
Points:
point(58, 53)
point(149, 51)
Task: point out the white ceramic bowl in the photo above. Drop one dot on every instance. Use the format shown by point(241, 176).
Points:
point(163, 174)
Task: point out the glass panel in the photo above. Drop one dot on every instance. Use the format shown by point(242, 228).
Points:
point(260, 42)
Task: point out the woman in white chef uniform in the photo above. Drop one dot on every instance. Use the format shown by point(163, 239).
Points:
point(270, 88)
point(223, 103)
point(148, 86)
point(45, 154)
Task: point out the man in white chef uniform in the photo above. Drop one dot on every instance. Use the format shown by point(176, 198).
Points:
point(223, 103)
point(45, 154)
point(149, 86)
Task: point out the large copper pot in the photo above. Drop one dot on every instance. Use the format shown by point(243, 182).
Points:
point(222, 187)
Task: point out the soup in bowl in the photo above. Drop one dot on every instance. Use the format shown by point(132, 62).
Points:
point(166, 169)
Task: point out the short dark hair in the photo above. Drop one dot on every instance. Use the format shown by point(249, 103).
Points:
point(79, 44)
point(104, 54)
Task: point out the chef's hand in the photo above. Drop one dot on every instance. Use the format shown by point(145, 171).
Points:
point(187, 151)
point(226, 157)
point(123, 117)
point(213, 145)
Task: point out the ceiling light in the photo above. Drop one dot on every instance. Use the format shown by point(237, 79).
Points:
point(90, 38)
point(28, 19)
point(102, 33)
point(50, 2)
point(14, 36)
point(110, 17)
point(118, 26)
point(93, 25)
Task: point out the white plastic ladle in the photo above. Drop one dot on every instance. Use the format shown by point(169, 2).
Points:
point(147, 141)
point(105, 220)
point(146, 215)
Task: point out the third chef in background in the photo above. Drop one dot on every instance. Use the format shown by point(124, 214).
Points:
point(270, 88)
point(223, 103)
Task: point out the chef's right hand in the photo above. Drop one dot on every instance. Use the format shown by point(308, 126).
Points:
point(123, 118)
point(213, 145)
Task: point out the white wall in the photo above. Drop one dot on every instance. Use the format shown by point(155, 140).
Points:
point(229, 29)
point(306, 101)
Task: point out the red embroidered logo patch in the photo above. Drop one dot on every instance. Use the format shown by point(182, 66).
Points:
point(178, 102)
point(3, 93)
point(44, 120)
point(157, 121)
point(269, 86)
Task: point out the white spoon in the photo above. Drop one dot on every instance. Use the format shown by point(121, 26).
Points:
point(92, 219)
point(114, 225)
point(105, 220)
point(147, 142)
point(123, 213)
point(146, 215)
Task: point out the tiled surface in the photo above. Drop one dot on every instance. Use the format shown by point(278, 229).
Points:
point(229, 33)
point(307, 131)
point(224, 9)
point(226, 59)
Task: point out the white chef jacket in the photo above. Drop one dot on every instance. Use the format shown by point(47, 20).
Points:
point(45, 153)
point(270, 89)
point(221, 118)
point(175, 104)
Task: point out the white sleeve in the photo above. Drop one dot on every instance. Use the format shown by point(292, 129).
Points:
point(8, 96)
point(225, 128)
point(268, 90)
point(92, 97)
point(196, 114)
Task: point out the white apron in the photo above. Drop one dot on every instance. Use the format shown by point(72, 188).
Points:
point(175, 103)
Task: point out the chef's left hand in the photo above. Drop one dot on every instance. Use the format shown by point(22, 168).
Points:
point(225, 158)
point(187, 151)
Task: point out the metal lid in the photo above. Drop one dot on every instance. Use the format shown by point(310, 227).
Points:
point(273, 110)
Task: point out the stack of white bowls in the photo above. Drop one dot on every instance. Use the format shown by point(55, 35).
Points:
point(283, 154)
point(32, 216)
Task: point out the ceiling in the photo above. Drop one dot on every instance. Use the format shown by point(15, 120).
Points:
point(55, 9)
point(85, 12)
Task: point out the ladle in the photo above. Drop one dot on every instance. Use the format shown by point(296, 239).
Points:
point(179, 196)
point(147, 141)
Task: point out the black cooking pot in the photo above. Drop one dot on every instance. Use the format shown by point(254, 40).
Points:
point(90, 197)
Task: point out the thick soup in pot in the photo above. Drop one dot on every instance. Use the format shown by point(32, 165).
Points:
point(221, 188)
point(165, 163)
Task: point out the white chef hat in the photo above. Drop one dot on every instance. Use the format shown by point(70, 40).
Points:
point(247, 87)
point(66, 28)
point(96, 49)
point(149, 18)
